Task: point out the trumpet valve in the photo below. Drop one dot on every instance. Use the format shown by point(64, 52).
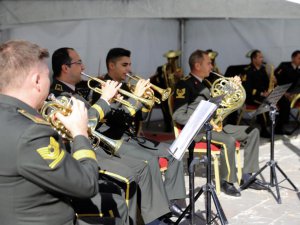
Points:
point(165, 94)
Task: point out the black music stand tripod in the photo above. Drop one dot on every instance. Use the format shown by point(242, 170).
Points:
point(270, 105)
point(207, 188)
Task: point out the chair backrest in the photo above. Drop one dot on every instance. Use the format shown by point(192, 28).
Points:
point(176, 126)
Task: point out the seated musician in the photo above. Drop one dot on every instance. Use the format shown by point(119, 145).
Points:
point(146, 187)
point(188, 93)
point(122, 120)
point(258, 86)
point(286, 73)
point(166, 76)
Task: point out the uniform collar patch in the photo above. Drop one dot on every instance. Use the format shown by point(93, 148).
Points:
point(58, 87)
point(180, 93)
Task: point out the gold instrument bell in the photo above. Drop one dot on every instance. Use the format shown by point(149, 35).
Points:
point(172, 54)
point(212, 54)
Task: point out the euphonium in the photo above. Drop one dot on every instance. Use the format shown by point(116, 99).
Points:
point(63, 105)
point(234, 98)
point(149, 94)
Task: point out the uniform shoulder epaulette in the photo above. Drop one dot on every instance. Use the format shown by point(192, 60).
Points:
point(35, 119)
point(186, 77)
point(247, 67)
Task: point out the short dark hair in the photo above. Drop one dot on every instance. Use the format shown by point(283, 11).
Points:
point(254, 53)
point(60, 57)
point(295, 53)
point(116, 53)
point(195, 57)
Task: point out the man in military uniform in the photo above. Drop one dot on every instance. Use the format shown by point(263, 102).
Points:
point(167, 76)
point(121, 122)
point(143, 175)
point(287, 73)
point(257, 85)
point(188, 93)
point(38, 177)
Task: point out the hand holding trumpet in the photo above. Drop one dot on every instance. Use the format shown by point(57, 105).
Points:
point(110, 89)
point(141, 87)
point(76, 121)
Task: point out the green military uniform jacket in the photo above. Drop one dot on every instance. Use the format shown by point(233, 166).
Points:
point(187, 96)
point(37, 176)
point(129, 170)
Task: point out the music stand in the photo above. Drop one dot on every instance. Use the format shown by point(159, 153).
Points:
point(269, 104)
point(208, 188)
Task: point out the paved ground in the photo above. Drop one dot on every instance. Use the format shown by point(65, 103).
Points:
point(260, 207)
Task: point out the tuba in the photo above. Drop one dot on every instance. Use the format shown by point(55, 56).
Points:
point(63, 105)
point(170, 69)
point(234, 98)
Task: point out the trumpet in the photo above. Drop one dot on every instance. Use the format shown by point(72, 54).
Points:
point(149, 94)
point(148, 103)
point(63, 105)
point(98, 90)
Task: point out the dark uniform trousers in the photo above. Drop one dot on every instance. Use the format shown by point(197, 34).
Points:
point(139, 174)
point(188, 94)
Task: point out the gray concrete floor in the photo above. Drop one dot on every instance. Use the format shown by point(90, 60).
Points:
point(260, 207)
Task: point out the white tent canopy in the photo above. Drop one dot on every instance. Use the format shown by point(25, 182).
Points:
point(151, 27)
point(29, 11)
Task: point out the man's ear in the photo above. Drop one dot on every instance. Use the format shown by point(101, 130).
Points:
point(197, 65)
point(36, 80)
point(111, 65)
point(64, 68)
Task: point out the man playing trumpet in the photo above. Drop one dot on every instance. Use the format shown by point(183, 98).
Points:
point(144, 175)
point(122, 122)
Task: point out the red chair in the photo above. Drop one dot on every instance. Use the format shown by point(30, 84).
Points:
point(216, 148)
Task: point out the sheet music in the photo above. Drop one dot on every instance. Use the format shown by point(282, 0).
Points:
point(272, 99)
point(197, 120)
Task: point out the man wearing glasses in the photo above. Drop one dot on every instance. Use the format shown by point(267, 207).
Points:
point(67, 67)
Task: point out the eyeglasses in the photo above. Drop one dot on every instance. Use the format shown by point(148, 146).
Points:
point(79, 62)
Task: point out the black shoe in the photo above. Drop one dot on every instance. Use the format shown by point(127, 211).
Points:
point(176, 210)
point(230, 189)
point(161, 222)
point(255, 184)
point(166, 221)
